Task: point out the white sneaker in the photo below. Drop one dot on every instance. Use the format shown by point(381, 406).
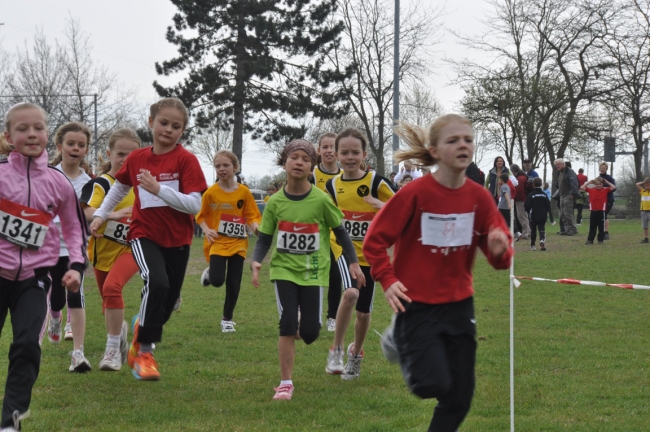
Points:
point(68, 332)
point(532, 248)
point(16, 417)
point(352, 368)
point(330, 324)
point(79, 362)
point(335, 361)
point(518, 236)
point(54, 331)
point(177, 305)
point(227, 326)
point(112, 360)
point(124, 342)
point(205, 277)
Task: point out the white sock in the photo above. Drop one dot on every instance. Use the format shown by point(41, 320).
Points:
point(113, 342)
point(284, 382)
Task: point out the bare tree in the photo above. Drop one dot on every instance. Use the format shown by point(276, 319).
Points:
point(367, 49)
point(628, 46)
point(64, 79)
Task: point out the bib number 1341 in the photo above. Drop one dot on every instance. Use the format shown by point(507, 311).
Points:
point(298, 238)
point(22, 225)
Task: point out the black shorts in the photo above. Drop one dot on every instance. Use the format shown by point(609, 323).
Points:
point(367, 293)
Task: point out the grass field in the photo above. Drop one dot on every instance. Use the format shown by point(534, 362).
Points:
point(581, 358)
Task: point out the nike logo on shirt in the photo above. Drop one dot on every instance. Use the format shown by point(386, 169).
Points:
point(22, 213)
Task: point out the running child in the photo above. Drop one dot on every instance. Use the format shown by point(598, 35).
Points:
point(597, 207)
point(436, 228)
point(644, 190)
point(72, 144)
point(110, 255)
point(31, 194)
point(227, 207)
point(168, 183)
point(359, 194)
point(325, 170)
point(302, 216)
point(537, 206)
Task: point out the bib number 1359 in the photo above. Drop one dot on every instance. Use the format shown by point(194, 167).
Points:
point(298, 238)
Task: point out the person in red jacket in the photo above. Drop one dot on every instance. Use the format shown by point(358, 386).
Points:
point(436, 228)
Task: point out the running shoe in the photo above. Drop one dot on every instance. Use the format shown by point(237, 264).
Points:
point(645, 240)
point(112, 360)
point(205, 277)
point(284, 392)
point(135, 345)
point(330, 324)
point(54, 331)
point(16, 417)
point(177, 305)
point(606, 235)
point(335, 361)
point(68, 331)
point(352, 368)
point(542, 246)
point(145, 367)
point(518, 236)
point(227, 326)
point(79, 362)
point(533, 248)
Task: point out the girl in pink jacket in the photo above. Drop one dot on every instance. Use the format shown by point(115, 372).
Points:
point(31, 194)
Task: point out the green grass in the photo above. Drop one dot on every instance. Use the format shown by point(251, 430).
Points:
point(581, 358)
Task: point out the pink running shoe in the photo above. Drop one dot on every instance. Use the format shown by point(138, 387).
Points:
point(284, 392)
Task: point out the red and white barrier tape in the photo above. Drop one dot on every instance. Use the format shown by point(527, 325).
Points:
point(517, 282)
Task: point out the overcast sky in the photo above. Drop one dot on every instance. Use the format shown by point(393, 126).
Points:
point(128, 37)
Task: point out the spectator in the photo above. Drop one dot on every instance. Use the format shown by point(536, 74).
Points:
point(474, 172)
point(270, 190)
point(405, 180)
point(597, 203)
point(493, 177)
point(547, 191)
point(528, 169)
point(504, 205)
point(537, 205)
point(392, 178)
point(610, 196)
point(568, 192)
point(520, 200)
point(644, 191)
point(409, 169)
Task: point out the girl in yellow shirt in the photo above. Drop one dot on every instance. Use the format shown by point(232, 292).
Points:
point(227, 208)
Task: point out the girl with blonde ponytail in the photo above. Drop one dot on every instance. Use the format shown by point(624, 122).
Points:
point(436, 223)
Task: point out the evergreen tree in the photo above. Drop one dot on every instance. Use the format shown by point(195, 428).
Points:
point(258, 62)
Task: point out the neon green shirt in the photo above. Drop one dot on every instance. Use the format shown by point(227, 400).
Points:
point(301, 236)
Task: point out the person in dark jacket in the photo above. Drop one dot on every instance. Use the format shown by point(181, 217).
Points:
point(473, 172)
point(537, 206)
point(568, 187)
point(493, 177)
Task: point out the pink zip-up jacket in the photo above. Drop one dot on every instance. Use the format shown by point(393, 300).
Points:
point(32, 183)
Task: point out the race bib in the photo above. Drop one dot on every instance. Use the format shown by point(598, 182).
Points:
point(232, 226)
point(22, 225)
point(148, 200)
point(449, 230)
point(117, 230)
point(357, 223)
point(298, 238)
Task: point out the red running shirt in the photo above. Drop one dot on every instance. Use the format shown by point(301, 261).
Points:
point(152, 218)
point(597, 198)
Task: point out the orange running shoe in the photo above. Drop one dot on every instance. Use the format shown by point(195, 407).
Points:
point(135, 345)
point(145, 367)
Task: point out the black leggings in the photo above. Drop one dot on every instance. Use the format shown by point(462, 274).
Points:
point(58, 292)
point(235, 267)
point(334, 289)
point(437, 352)
point(163, 271)
point(292, 297)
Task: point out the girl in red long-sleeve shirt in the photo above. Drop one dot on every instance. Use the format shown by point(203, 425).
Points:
point(436, 223)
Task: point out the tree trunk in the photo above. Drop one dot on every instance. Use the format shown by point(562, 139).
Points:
point(238, 103)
